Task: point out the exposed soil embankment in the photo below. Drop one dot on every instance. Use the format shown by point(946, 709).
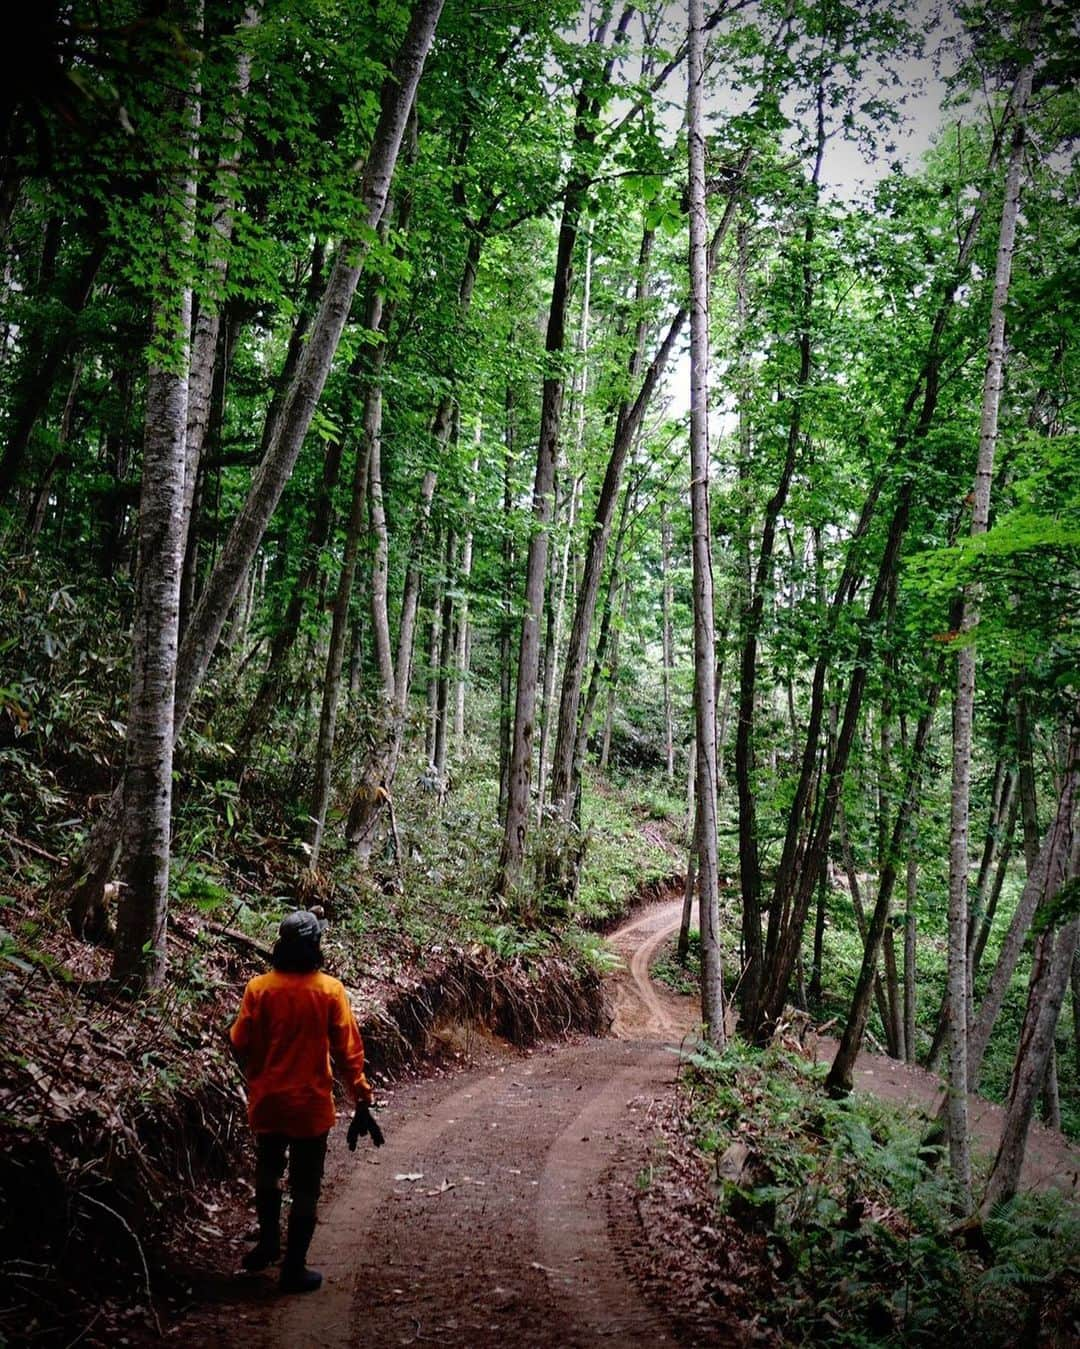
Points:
point(418, 1019)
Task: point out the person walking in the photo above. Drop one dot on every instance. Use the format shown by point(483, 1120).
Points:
point(292, 1022)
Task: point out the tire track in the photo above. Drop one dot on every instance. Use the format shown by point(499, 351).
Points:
point(503, 1235)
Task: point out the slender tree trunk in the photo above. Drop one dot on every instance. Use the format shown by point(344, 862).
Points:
point(667, 643)
point(1074, 984)
point(813, 991)
point(1051, 1092)
point(506, 625)
point(613, 679)
point(1054, 954)
point(712, 989)
point(207, 326)
point(139, 956)
point(910, 954)
point(682, 949)
point(749, 861)
point(462, 640)
point(519, 777)
point(1043, 880)
point(984, 906)
point(860, 923)
point(446, 652)
point(556, 619)
point(603, 654)
point(437, 588)
point(377, 779)
point(840, 1076)
point(371, 433)
point(964, 701)
point(1004, 858)
point(60, 460)
point(269, 692)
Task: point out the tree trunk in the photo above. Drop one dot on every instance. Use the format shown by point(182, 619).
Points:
point(1051, 1091)
point(864, 934)
point(371, 433)
point(759, 588)
point(964, 701)
point(139, 956)
point(985, 904)
point(462, 642)
point(667, 643)
point(682, 949)
point(271, 685)
point(445, 656)
point(557, 619)
point(813, 991)
point(506, 625)
point(1043, 880)
point(627, 426)
point(712, 989)
point(1054, 954)
point(377, 778)
point(60, 460)
point(839, 1081)
point(204, 337)
point(519, 777)
point(602, 656)
point(910, 954)
point(613, 679)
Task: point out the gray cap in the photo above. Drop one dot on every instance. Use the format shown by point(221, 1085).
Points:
point(301, 925)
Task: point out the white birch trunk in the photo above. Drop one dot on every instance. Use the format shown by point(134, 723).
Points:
point(146, 821)
point(963, 705)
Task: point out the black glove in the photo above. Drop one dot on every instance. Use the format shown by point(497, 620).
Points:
point(364, 1123)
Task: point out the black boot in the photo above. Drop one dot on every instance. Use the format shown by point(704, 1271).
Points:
point(268, 1247)
point(295, 1276)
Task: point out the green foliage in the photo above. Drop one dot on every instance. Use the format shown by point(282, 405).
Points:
point(679, 977)
point(618, 858)
point(858, 1221)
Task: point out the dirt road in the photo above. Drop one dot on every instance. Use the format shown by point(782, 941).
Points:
point(497, 1210)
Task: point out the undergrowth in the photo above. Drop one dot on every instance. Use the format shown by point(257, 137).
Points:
point(858, 1222)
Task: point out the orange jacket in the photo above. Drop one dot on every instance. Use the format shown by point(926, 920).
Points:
point(287, 1029)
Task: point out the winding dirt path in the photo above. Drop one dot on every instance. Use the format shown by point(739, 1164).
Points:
point(487, 1218)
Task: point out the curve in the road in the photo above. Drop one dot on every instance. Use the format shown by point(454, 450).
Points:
point(484, 1220)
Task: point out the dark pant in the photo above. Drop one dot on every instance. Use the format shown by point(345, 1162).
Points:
point(306, 1158)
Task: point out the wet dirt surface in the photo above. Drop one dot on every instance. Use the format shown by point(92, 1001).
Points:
point(500, 1210)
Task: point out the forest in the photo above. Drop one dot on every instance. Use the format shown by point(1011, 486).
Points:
point(481, 471)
